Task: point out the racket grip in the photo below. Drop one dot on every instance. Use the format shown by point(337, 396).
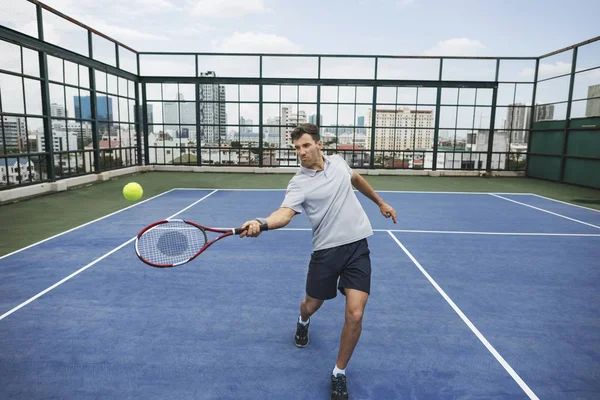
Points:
point(263, 227)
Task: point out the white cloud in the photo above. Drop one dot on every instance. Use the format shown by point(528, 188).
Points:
point(405, 3)
point(117, 7)
point(154, 5)
point(131, 7)
point(252, 42)
point(121, 33)
point(167, 65)
point(228, 8)
point(455, 47)
point(594, 75)
point(187, 30)
point(547, 70)
point(386, 3)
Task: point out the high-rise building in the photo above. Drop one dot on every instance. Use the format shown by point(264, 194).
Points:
point(516, 117)
point(180, 117)
point(104, 108)
point(291, 120)
point(61, 141)
point(243, 125)
point(213, 115)
point(139, 116)
point(517, 121)
point(11, 130)
point(544, 112)
point(58, 110)
point(401, 129)
point(361, 122)
point(313, 119)
point(592, 107)
point(272, 132)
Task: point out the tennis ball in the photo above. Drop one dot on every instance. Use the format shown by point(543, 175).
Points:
point(133, 191)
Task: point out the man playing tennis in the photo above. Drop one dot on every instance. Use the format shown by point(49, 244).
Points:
point(323, 189)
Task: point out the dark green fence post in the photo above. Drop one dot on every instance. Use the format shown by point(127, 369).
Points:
point(46, 109)
point(488, 166)
point(146, 128)
point(490, 151)
point(532, 116)
point(373, 121)
point(568, 117)
point(94, 108)
point(436, 131)
point(261, 135)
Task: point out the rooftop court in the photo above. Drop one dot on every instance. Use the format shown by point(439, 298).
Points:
point(486, 288)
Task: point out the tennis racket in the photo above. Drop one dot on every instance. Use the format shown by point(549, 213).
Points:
point(169, 243)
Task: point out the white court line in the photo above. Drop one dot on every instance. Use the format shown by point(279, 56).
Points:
point(462, 232)
point(564, 202)
point(546, 211)
point(489, 233)
point(378, 191)
point(466, 320)
point(6, 314)
point(86, 224)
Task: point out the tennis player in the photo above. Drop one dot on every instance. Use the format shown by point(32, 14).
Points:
point(323, 190)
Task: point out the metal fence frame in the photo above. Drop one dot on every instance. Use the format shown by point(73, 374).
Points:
point(143, 150)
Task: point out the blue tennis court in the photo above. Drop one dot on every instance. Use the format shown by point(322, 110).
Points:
point(474, 296)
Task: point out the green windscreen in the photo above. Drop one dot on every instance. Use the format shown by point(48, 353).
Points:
point(544, 167)
point(547, 142)
point(582, 172)
point(548, 138)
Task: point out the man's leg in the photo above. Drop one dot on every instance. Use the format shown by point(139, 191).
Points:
point(308, 307)
point(356, 301)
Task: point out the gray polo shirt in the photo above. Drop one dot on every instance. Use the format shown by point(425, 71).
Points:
point(329, 201)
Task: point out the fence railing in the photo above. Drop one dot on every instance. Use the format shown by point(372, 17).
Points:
point(88, 103)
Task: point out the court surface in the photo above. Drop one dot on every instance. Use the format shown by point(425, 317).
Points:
point(474, 296)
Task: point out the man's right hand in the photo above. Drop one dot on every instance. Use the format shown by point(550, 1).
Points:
point(253, 229)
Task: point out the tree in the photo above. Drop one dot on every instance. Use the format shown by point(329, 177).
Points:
point(11, 150)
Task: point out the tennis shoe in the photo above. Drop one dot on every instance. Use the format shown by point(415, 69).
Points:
point(301, 338)
point(339, 390)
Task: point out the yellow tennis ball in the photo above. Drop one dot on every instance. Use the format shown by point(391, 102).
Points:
point(133, 191)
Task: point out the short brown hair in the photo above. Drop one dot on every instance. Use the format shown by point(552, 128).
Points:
point(311, 129)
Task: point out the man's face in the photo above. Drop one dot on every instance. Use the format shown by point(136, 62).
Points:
point(308, 150)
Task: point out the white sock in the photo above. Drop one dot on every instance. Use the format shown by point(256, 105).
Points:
point(303, 322)
point(337, 371)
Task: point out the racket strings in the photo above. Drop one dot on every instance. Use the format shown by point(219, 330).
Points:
point(171, 243)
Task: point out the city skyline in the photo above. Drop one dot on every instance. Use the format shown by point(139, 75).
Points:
point(221, 110)
point(519, 122)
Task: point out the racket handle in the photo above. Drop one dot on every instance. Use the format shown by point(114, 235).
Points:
point(263, 227)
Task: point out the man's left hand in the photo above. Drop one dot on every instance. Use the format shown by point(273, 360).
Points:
point(387, 211)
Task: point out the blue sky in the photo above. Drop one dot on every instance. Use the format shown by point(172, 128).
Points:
point(403, 27)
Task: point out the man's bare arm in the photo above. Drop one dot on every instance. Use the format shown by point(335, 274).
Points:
point(278, 219)
point(363, 186)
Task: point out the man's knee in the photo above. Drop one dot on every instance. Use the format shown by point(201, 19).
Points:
point(354, 314)
point(355, 305)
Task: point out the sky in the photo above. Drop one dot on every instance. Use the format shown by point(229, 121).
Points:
point(396, 27)
point(362, 27)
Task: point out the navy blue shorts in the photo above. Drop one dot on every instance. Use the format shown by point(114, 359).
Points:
point(350, 263)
